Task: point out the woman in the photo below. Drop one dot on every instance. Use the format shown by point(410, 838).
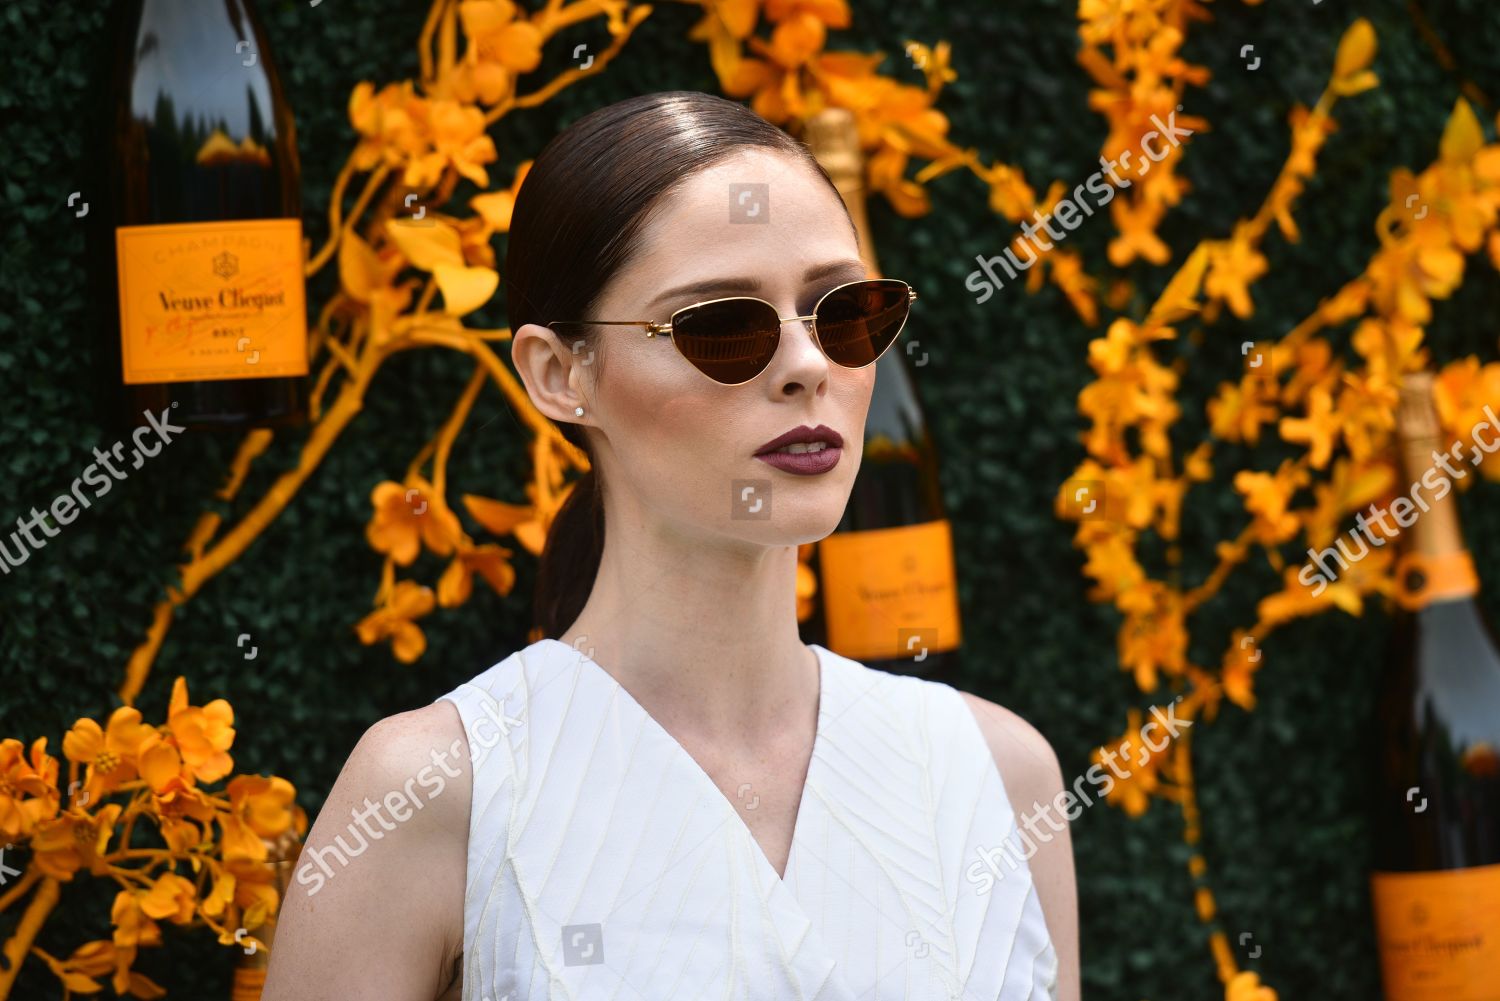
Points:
point(671, 796)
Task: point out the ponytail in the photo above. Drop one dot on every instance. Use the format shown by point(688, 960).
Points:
point(570, 557)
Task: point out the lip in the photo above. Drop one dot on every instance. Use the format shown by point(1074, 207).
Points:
point(805, 463)
point(803, 433)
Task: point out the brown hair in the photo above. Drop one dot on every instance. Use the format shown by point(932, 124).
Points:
point(575, 224)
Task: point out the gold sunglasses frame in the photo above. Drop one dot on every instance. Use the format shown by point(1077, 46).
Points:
point(654, 329)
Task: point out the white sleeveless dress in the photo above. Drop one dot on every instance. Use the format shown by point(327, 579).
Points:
point(604, 863)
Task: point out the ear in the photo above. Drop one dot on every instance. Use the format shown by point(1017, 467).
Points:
point(550, 370)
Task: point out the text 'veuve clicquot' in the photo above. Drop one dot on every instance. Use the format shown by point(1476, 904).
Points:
point(196, 248)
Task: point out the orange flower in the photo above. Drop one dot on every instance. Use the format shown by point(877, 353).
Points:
point(1112, 565)
point(392, 122)
point(1238, 411)
point(528, 523)
point(1154, 634)
point(1136, 220)
point(73, 841)
point(109, 754)
point(1391, 348)
point(1132, 766)
point(90, 960)
point(1241, 661)
point(266, 805)
point(133, 927)
point(490, 561)
point(1462, 390)
point(459, 139)
point(254, 892)
point(499, 48)
point(393, 621)
point(1408, 273)
point(1370, 575)
point(175, 794)
point(1233, 266)
point(495, 207)
point(260, 808)
point(407, 517)
point(28, 787)
point(1367, 414)
point(170, 898)
point(1268, 498)
point(202, 736)
point(1246, 986)
point(1356, 52)
point(1319, 430)
point(1352, 487)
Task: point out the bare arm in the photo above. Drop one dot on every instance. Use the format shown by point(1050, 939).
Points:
point(1033, 780)
point(380, 917)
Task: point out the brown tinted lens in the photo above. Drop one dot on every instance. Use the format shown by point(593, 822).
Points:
point(730, 341)
point(858, 322)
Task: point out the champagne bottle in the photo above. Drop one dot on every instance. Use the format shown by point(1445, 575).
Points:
point(197, 260)
point(1436, 885)
point(252, 964)
point(888, 592)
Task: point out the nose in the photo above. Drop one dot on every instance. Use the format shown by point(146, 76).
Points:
point(799, 361)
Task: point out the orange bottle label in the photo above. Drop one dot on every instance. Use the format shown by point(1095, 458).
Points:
point(1439, 933)
point(1421, 580)
point(889, 593)
point(212, 300)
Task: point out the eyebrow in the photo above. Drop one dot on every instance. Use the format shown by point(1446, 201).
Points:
point(853, 270)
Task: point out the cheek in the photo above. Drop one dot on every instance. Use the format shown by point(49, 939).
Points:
point(674, 433)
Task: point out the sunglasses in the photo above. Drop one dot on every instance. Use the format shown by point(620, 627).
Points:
point(733, 340)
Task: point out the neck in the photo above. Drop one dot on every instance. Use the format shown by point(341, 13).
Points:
point(702, 633)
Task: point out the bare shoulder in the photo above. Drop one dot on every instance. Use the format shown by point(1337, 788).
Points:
point(1034, 785)
point(374, 908)
point(1028, 764)
point(429, 738)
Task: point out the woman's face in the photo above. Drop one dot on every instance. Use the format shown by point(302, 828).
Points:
point(677, 450)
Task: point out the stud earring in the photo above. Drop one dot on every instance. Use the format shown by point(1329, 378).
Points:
point(578, 411)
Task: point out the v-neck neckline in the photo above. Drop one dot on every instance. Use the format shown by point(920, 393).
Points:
point(818, 741)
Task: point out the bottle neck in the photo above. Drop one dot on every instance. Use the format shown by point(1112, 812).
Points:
point(1436, 531)
point(1435, 565)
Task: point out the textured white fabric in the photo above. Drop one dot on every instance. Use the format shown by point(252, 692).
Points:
point(603, 862)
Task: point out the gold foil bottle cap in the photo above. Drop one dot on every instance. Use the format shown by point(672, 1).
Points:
point(1416, 415)
point(833, 137)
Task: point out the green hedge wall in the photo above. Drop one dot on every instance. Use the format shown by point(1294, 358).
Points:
point(1283, 788)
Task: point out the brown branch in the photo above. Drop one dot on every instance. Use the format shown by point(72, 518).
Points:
point(569, 77)
point(450, 429)
point(18, 891)
point(515, 393)
point(31, 923)
point(200, 570)
point(335, 228)
point(424, 41)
